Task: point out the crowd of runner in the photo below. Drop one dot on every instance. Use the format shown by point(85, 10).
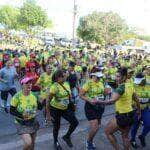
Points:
point(55, 81)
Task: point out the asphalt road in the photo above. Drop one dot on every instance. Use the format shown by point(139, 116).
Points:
point(9, 140)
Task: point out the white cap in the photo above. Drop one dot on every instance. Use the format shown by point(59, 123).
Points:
point(138, 80)
point(97, 74)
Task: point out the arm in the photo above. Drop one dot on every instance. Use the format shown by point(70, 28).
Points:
point(136, 99)
point(14, 112)
point(115, 97)
point(82, 95)
point(2, 80)
point(48, 100)
point(1, 77)
point(40, 105)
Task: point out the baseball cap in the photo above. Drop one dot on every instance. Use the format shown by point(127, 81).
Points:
point(32, 55)
point(97, 74)
point(26, 80)
point(139, 78)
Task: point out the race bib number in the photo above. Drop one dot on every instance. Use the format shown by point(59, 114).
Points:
point(144, 100)
point(100, 97)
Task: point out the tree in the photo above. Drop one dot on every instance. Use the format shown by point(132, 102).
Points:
point(9, 17)
point(144, 37)
point(102, 27)
point(32, 15)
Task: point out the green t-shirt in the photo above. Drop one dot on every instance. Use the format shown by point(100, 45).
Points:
point(61, 96)
point(143, 93)
point(124, 104)
point(25, 104)
point(93, 89)
point(45, 80)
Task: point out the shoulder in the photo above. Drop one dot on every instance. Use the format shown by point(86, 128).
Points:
point(120, 89)
point(54, 87)
point(17, 96)
point(33, 96)
point(3, 69)
point(101, 84)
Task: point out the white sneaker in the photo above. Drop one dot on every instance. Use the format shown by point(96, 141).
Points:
point(2, 104)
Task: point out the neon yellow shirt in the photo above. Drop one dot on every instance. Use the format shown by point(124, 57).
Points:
point(93, 89)
point(23, 60)
point(61, 98)
point(45, 81)
point(143, 93)
point(124, 104)
point(25, 104)
point(78, 68)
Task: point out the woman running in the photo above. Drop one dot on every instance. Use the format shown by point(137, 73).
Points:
point(143, 92)
point(57, 107)
point(8, 75)
point(122, 97)
point(91, 90)
point(24, 106)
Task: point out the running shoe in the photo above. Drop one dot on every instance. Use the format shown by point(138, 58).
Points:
point(67, 140)
point(142, 140)
point(90, 145)
point(57, 146)
point(134, 144)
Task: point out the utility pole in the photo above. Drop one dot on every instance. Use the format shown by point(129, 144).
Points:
point(74, 23)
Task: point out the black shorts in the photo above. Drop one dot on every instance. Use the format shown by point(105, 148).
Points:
point(125, 120)
point(93, 112)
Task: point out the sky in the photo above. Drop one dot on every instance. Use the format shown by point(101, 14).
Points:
point(135, 12)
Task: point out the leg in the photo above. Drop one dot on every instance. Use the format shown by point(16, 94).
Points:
point(56, 117)
point(94, 127)
point(70, 117)
point(146, 125)
point(33, 136)
point(27, 141)
point(135, 127)
point(4, 96)
point(12, 91)
point(110, 129)
point(125, 138)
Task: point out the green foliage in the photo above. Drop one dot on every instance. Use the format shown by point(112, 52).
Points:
point(102, 27)
point(30, 15)
point(144, 37)
point(9, 17)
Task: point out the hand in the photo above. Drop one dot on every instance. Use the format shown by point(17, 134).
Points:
point(98, 102)
point(4, 81)
point(94, 101)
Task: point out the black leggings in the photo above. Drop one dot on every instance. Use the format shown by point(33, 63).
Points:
point(4, 94)
point(69, 115)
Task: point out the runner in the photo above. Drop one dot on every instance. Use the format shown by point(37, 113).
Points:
point(57, 107)
point(8, 75)
point(45, 82)
point(93, 89)
point(73, 82)
point(143, 92)
point(122, 97)
point(24, 106)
